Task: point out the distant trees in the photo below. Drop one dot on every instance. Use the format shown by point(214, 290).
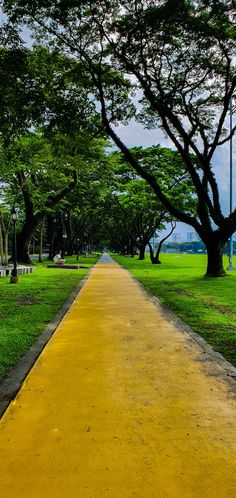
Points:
point(80, 216)
point(136, 212)
point(140, 214)
point(194, 247)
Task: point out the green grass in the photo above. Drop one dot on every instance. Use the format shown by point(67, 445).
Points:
point(26, 308)
point(206, 304)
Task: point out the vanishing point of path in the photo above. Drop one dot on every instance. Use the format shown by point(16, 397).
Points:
point(120, 405)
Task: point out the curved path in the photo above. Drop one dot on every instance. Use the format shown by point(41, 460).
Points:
point(120, 405)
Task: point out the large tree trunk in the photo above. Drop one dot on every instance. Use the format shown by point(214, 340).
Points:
point(23, 242)
point(157, 257)
point(131, 250)
point(6, 248)
point(41, 242)
point(23, 239)
point(1, 247)
point(51, 247)
point(32, 220)
point(142, 252)
point(71, 247)
point(215, 250)
point(51, 236)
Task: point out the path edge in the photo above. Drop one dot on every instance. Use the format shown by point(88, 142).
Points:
point(12, 383)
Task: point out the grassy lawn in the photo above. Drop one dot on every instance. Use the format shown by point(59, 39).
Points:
point(207, 305)
point(26, 308)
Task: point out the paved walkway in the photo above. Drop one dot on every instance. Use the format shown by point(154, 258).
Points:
point(119, 405)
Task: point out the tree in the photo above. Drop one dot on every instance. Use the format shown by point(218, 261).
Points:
point(41, 178)
point(181, 57)
point(142, 213)
point(8, 199)
point(155, 257)
point(80, 215)
point(140, 219)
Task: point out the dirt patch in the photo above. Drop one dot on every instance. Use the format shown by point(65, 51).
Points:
point(230, 345)
point(184, 292)
point(220, 327)
point(27, 300)
point(219, 307)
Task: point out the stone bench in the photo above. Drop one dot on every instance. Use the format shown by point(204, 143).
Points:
point(21, 270)
point(66, 266)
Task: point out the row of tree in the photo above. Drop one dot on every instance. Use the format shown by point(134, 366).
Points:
point(177, 59)
point(76, 202)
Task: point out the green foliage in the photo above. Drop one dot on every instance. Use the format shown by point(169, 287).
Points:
point(134, 207)
point(65, 87)
point(42, 88)
point(32, 165)
point(20, 97)
point(168, 168)
point(44, 166)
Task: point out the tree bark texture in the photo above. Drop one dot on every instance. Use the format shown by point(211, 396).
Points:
point(142, 252)
point(154, 257)
point(215, 266)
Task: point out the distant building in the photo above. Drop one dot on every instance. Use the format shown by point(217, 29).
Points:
point(190, 236)
point(193, 237)
point(176, 237)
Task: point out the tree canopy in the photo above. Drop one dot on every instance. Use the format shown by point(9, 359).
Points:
point(179, 59)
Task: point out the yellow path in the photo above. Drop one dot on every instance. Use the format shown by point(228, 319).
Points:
point(119, 405)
